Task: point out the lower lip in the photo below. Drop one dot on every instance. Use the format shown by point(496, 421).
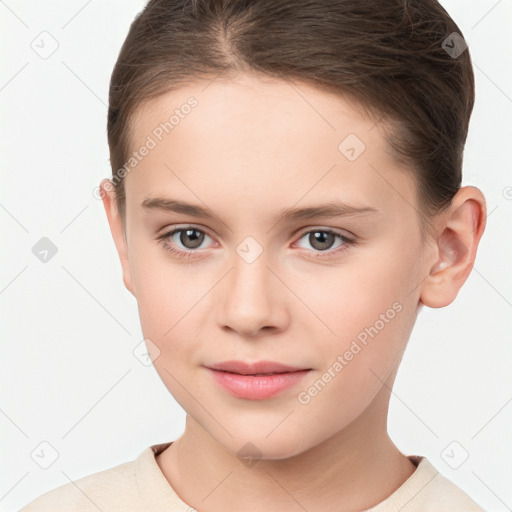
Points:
point(257, 387)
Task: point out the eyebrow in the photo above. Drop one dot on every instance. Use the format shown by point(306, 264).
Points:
point(328, 210)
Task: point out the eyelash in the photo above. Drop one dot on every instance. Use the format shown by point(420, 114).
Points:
point(163, 239)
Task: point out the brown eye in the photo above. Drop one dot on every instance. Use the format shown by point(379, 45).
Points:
point(185, 241)
point(321, 240)
point(190, 238)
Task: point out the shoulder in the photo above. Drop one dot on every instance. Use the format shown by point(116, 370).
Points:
point(427, 490)
point(443, 495)
point(98, 491)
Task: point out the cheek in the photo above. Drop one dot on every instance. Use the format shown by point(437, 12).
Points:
point(354, 295)
point(175, 304)
point(165, 290)
point(364, 314)
point(371, 337)
point(369, 342)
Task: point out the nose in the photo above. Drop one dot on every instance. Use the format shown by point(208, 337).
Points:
point(252, 298)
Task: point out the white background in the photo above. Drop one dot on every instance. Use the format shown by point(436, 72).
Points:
point(68, 374)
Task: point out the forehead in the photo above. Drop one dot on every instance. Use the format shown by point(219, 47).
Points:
point(262, 138)
point(251, 106)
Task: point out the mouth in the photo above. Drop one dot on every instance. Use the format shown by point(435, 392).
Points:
point(257, 368)
point(255, 374)
point(257, 385)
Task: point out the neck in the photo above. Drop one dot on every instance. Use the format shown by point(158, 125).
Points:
point(355, 469)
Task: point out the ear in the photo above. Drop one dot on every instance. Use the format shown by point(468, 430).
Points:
point(107, 194)
point(459, 233)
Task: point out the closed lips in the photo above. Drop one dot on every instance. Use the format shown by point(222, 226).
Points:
point(255, 368)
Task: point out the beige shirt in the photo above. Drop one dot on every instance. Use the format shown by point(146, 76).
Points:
point(140, 486)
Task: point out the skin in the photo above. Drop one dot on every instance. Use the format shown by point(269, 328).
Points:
point(251, 148)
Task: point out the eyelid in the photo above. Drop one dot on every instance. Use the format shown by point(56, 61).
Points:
point(183, 227)
point(300, 233)
point(350, 239)
point(347, 242)
point(341, 232)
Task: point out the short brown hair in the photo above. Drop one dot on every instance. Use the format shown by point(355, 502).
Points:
point(386, 55)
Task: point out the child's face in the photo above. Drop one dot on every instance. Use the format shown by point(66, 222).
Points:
point(247, 151)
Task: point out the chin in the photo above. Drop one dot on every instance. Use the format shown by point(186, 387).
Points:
point(251, 448)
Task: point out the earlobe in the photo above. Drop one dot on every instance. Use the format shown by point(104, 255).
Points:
point(107, 193)
point(456, 246)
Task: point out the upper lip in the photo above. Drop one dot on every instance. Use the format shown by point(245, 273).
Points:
point(244, 368)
